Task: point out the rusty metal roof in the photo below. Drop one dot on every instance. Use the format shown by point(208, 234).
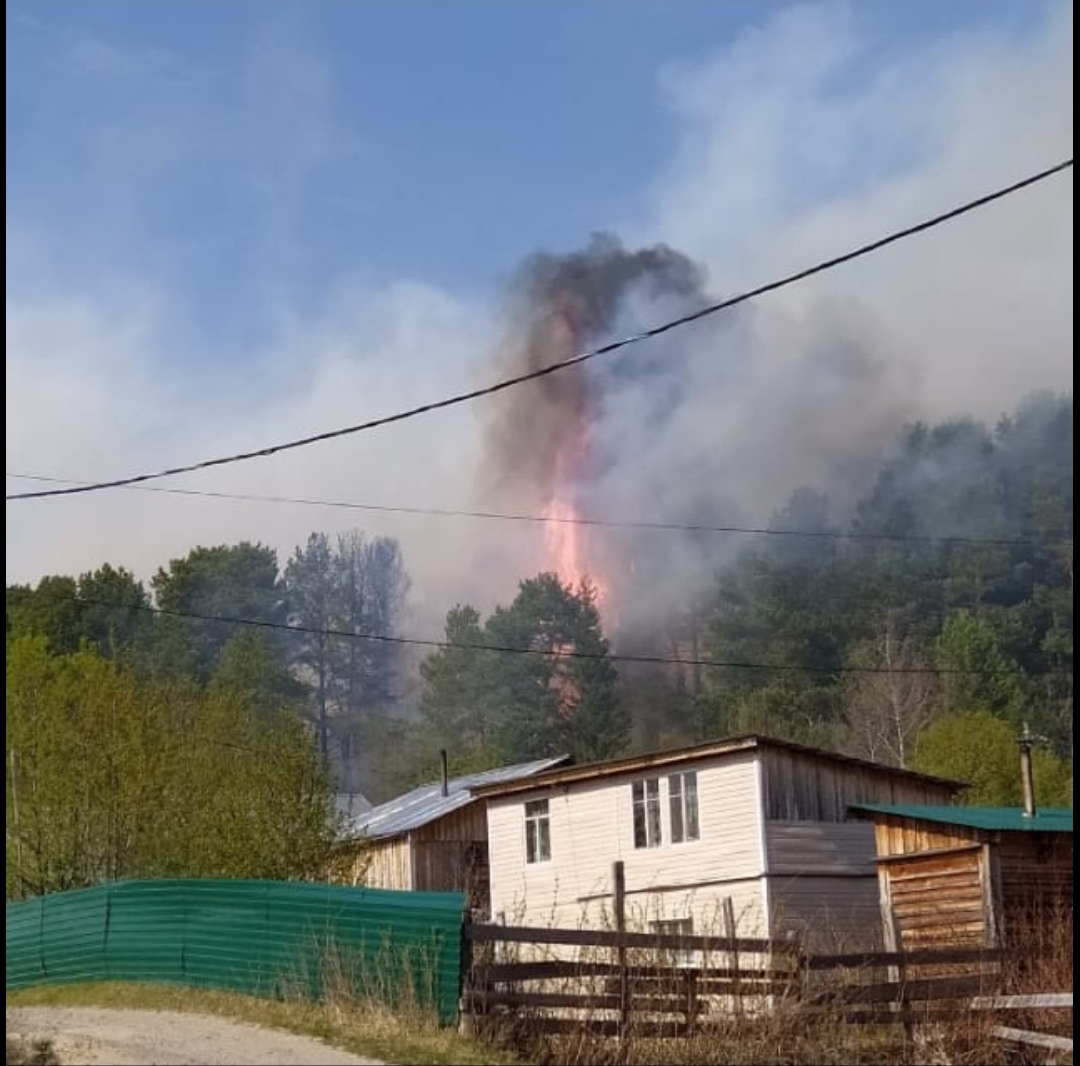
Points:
point(427, 803)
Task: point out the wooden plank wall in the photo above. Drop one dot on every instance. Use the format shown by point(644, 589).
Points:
point(383, 864)
point(1035, 872)
point(451, 855)
point(939, 899)
point(804, 787)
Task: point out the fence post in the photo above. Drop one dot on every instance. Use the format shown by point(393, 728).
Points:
point(618, 881)
point(466, 1025)
point(728, 909)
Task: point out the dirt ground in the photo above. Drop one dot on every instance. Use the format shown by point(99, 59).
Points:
point(90, 1036)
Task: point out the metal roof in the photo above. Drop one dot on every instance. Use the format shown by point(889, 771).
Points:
point(427, 803)
point(710, 749)
point(1007, 819)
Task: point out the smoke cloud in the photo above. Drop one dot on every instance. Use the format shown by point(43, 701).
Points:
point(711, 424)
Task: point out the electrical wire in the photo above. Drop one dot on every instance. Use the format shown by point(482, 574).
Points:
point(603, 523)
point(508, 649)
point(576, 360)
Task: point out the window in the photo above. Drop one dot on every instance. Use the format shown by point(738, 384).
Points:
point(682, 797)
point(674, 927)
point(537, 831)
point(646, 796)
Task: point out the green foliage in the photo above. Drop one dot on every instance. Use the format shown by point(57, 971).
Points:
point(110, 775)
point(851, 625)
point(562, 697)
point(975, 671)
point(230, 581)
point(356, 585)
point(982, 749)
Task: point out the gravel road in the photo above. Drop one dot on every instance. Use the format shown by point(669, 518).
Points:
point(90, 1036)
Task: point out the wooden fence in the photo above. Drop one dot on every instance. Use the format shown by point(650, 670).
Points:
point(614, 982)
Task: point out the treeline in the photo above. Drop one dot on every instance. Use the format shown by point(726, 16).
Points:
point(953, 596)
point(923, 627)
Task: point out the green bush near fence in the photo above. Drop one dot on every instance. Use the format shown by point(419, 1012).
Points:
point(265, 938)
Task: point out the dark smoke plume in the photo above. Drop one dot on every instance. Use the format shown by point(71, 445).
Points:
point(538, 439)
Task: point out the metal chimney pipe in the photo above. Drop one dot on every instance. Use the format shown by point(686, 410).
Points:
point(445, 783)
point(1027, 780)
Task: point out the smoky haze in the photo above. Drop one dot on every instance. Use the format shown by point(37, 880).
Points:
point(559, 305)
point(712, 424)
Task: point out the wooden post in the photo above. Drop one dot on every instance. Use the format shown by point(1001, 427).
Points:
point(728, 909)
point(466, 1022)
point(692, 1004)
point(618, 882)
point(901, 1005)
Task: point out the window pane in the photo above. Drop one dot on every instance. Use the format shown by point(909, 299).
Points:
point(537, 831)
point(654, 821)
point(639, 824)
point(676, 809)
point(646, 807)
point(690, 799)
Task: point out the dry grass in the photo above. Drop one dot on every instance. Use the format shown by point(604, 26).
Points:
point(353, 1024)
point(30, 1053)
point(1038, 960)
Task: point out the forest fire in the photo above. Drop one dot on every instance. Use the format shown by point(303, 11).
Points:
point(545, 446)
point(566, 539)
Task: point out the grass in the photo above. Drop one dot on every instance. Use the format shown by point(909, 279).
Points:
point(1038, 958)
point(401, 1036)
point(32, 1053)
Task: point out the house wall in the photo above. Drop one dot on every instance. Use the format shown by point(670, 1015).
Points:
point(936, 885)
point(822, 880)
point(823, 885)
point(1034, 874)
point(383, 864)
point(938, 899)
point(451, 855)
point(592, 827)
point(800, 787)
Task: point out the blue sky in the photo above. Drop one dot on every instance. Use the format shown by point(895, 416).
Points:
point(224, 148)
point(232, 222)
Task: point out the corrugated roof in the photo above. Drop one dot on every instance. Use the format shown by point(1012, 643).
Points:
point(733, 745)
point(352, 804)
point(427, 803)
point(1007, 819)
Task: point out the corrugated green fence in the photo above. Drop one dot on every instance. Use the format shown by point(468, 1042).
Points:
point(268, 938)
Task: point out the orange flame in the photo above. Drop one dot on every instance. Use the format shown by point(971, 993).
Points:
point(564, 542)
point(567, 549)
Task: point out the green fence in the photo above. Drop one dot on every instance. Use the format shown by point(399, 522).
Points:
point(267, 938)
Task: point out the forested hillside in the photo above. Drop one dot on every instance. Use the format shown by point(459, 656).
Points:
point(921, 628)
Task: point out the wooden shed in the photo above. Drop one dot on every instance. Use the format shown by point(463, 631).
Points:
point(432, 839)
point(969, 876)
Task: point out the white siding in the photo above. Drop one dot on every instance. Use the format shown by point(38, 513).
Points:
point(822, 883)
point(592, 826)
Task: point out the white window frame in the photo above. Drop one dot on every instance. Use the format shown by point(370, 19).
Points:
point(674, 927)
point(683, 809)
point(645, 803)
point(537, 831)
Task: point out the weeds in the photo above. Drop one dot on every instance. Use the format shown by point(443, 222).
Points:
point(21, 1052)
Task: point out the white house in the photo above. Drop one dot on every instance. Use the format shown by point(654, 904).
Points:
point(759, 822)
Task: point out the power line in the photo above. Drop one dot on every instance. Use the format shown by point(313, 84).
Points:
point(508, 649)
point(582, 357)
point(603, 523)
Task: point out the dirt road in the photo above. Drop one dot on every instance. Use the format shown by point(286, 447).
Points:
point(90, 1036)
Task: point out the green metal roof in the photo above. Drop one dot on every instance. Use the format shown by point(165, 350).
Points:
point(1008, 819)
